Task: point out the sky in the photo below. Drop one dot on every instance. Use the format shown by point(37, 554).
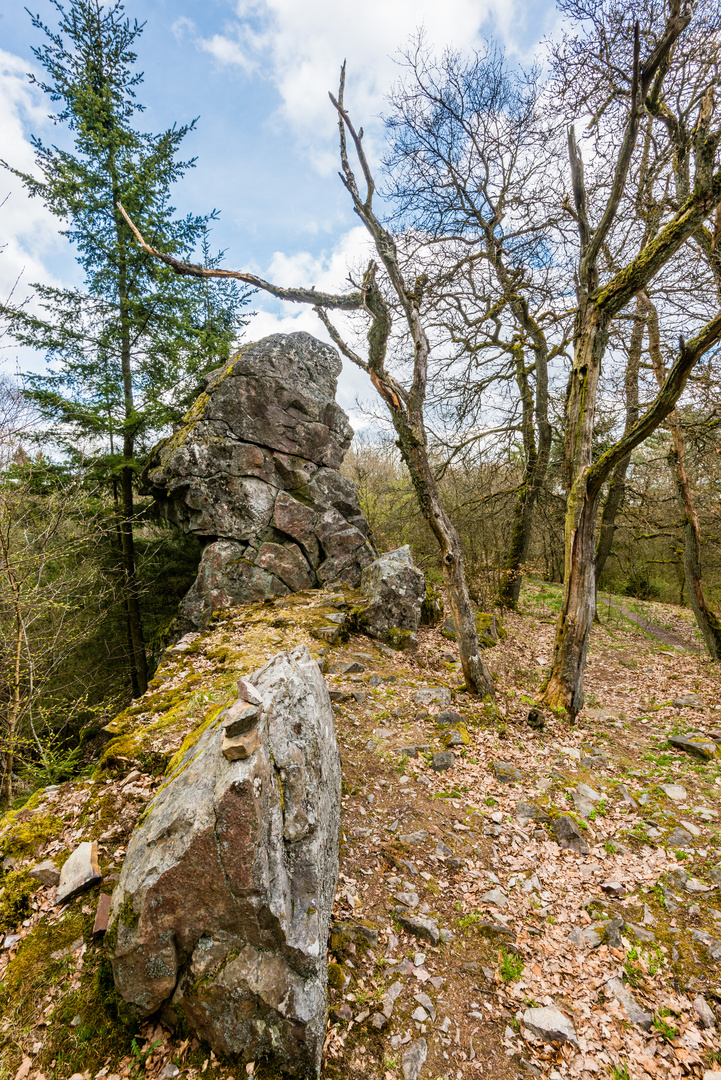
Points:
point(256, 73)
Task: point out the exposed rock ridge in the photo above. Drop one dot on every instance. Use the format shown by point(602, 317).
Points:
point(253, 473)
point(224, 901)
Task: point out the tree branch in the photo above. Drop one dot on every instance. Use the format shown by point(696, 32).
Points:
point(348, 302)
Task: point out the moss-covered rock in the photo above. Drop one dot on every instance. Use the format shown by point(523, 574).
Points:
point(432, 608)
point(490, 629)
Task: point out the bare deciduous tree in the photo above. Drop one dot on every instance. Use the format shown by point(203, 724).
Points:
point(405, 404)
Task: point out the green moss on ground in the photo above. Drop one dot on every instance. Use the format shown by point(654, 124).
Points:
point(18, 887)
point(26, 835)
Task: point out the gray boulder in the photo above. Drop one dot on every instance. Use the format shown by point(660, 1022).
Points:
point(252, 471)
point(396, 590)
point(222, 911)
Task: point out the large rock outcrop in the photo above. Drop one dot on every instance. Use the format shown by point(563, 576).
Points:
point(224, 901)
point(253, 472)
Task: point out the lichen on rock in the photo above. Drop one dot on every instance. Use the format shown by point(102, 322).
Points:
point(253, 473)
point(223, 906)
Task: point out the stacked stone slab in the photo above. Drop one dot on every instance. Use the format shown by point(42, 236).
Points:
point(224, 902)
point(253, 473)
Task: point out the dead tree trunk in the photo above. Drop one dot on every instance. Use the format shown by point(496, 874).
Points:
point(406, 406)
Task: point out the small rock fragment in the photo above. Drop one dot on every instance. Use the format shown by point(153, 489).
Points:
point(102, 914)
point(439, 695)
point(414, 1058)
point(420, 927)
point(700, 748)
point(674, 791)
point(614, 929)
point(495, 897)
point(589, 793)
point(240, 747)
point(704, 1012)
point(442, 761)
point(448, 718)
point(247, 692)
point(80, 872)
point(409, 899)
point(635, 1013)
point(506, 773)
point(46, 873)
point(568, 834)
point(414, 838)
point(549, 1024)
point(626, 796)
point(679, 838)
point(688, 701)
point(526, 812)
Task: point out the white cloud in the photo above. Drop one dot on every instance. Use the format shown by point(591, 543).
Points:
point(29, 231)
point(300, 47)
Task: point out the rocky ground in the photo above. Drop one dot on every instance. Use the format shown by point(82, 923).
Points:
point(513, 900)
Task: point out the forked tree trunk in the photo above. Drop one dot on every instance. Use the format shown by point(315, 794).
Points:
point(563, 689)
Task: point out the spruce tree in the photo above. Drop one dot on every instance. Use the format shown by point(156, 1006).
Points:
point(126, 351)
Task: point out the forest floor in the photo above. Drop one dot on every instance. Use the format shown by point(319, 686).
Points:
point(526, 925)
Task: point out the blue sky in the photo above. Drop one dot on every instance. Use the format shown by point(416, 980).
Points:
point(256, 73)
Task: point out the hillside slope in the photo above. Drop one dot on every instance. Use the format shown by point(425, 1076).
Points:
point(468, 854)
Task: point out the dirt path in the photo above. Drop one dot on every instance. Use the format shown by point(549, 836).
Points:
point(666, 637)
point(528, 924)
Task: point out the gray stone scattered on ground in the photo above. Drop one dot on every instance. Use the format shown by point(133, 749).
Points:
point(414, 838)
point(704, 1012)
point(584, 806)
point(495, 897)
point(550, 1025)
point(448, 718)
point(675, 792)
point(506, 773)
point(705, 749)
point(688, 701)
point(414, 1058)
point(635, 1013)
point(442, 761)
point(626, 796)
point(432, 695)
point(568, 834)
point(679, 838)
point(589, 793)
point(419, 926)
point(46, 873)
point(79, 872)
point(526, 812)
